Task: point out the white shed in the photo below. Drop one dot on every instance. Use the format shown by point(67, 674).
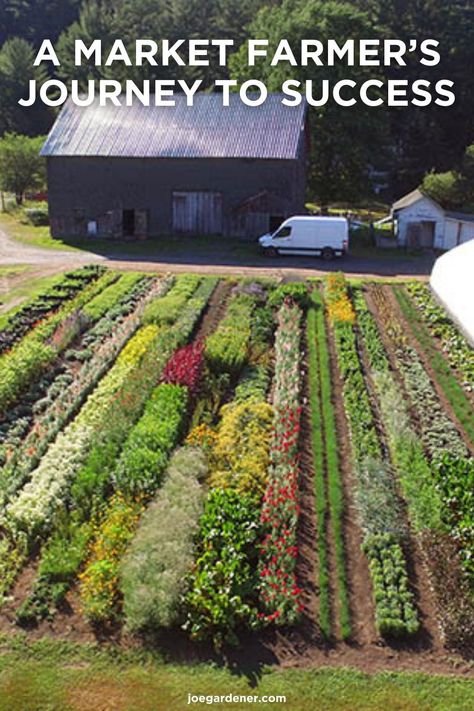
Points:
point(452, 283)
point(421, 222)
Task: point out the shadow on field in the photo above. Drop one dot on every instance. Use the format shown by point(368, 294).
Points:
point(228, 252)
point(248, 659)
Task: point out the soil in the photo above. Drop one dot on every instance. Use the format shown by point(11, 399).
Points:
point(215, 310)
point(307, 563)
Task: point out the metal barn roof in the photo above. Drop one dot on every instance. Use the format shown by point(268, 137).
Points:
point(205, 130)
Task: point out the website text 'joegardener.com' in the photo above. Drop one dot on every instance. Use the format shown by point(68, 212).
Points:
point(235, 699)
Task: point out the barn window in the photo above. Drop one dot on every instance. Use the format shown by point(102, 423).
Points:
point(128, 223)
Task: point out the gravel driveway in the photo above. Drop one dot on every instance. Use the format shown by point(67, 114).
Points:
point(13, 252)
point(48, 261)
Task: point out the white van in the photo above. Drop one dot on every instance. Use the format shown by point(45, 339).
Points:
point(325, 237)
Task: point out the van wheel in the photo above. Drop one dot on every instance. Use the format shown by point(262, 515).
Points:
point(271, 252)
point(327, 254)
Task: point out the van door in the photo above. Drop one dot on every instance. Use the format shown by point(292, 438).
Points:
point(283, 238)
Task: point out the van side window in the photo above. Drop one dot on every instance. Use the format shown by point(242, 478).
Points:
point(284, 232)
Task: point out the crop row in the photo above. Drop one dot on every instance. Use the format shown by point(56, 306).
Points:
point(128, 458)
point(438, 433)
point(153, 574)
point(255, 355)
point(27, 434)
point(137, 476)
point(153, 578)
point(453, 344)
point(279, 591)
point(167, 310)
point(406, 449)
point(221, 595)
point(33, 312)
point(84, 451)
point(33, 509)
point(328, 486)
point(447, 380)
point(36, 352)
point(376, 497)
point(226, 349)
point(437, 490)
point(112, 295)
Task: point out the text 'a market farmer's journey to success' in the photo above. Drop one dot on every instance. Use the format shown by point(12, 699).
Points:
point(365, 53)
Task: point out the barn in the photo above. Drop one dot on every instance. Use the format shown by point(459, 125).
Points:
point(144, 171)
point(421, 222)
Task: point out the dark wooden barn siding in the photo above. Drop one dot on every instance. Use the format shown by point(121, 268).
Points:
point(99, 189)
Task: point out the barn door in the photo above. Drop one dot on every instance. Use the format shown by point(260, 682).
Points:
point(197, 213)
point(141, 224)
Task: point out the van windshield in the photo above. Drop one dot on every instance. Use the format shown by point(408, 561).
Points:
point(284, 232)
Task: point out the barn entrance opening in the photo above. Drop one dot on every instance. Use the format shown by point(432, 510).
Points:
point(128, 223)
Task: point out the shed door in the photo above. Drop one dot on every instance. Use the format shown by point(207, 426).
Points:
point(427, 234)
point(197, 213)
point(420, 235)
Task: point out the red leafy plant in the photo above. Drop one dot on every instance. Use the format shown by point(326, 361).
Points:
point(185, 367)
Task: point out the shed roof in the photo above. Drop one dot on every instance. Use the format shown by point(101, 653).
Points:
point(416, 195)
point(410, 199)
point(205, 130)
point(460, 216)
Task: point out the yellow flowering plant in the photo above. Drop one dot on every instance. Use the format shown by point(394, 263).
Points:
point(241, 454)
point(99, 591)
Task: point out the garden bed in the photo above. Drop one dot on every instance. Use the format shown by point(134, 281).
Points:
point(207, 465)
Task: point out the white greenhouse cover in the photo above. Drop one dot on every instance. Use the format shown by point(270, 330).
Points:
point(452, 281)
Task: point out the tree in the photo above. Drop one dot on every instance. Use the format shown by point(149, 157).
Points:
point(345, 141)
point(96, 22)
point(431, 137)
point(151, 19)
point(16, 69)
point(455, 188)
point(36, 19)
point(21, 166)
point(445, 188)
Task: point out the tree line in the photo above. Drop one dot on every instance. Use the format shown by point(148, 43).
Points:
point(348, 146)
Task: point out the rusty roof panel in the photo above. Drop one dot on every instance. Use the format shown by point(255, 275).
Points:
point(205, 130)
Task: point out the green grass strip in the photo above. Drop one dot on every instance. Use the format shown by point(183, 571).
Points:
point(450, 386)
point(335, 491)
point(61, 676)
point(319, 482)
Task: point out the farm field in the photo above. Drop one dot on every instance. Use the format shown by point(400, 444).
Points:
point(238, 470)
